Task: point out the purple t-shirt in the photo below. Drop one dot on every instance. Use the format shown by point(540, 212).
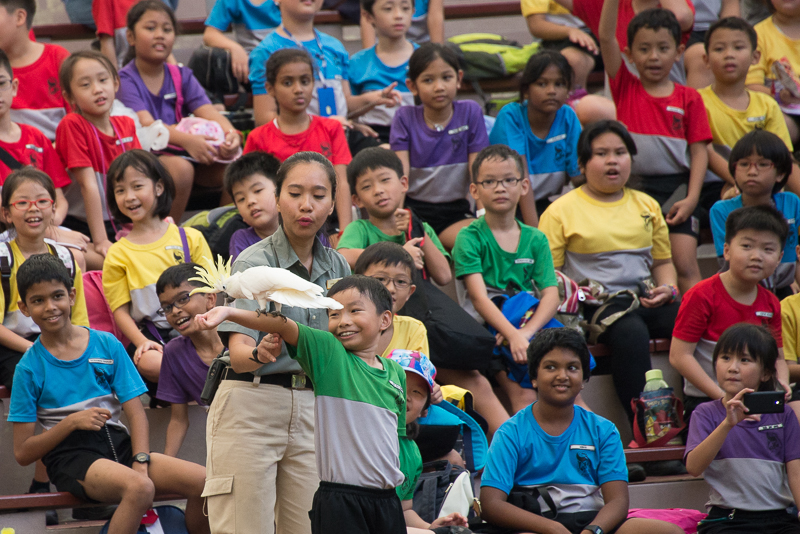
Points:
point(241, 239)
point(135, 94)
point(183, 373)
point(439, 161)
point(761, 447)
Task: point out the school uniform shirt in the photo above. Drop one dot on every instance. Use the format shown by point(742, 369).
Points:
point(439, 161)
point(552, 11)
point(759, 448)
point(81, 145)
point(530, 266)
point(327, 268)
point(250, 22)
point(39, 102)
point(571, 466)
point(183, 373)
point(369, 73)
point(785, 202)
point(552, 160)
point(790, 326)
point(408, 334)
point(324, 136)
point(47, 389)
point(361, 233)
point(332, 74)
point(614, 243)
point(349, 397)
point(706, 13)
point(36, 150)
point(110, 17)
point(411, 467)
point(707, 310)
point(418, 31)
point(130, 271)
point(662, 127)
point(135, 94)
point(773, 45)
point(241, 239)
point(16, 321)
point(728, 125)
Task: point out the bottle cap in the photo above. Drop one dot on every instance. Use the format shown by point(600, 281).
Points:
point(654, 374)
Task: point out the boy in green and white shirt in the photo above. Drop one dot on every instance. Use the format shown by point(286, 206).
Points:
point(360, 405)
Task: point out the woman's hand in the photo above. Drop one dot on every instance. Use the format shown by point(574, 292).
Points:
point(230, 147)
point(144, 347)
point(658, 297)
point(736, 411)
point(268, 349)
point(199, 149)
point(212, 318)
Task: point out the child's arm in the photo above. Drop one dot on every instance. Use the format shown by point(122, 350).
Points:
point(782, 373)
point(607, 35)
point(195, 145)
point(527, 206)
point(12, 340)
point(682, 209)
point(215, 38)
point(61, 207)
point(793, 476)
point(361, 104)
point(682, 12)
point(615, 505)
point(404, 159)
point(719, 165)
point(140, 431)
point(413, 520)
point(343, 200)
point(701, 456)
point(730, 8)
point(29, 447)
point(130, 329)
point(233, 141)
point(367, 33)
point(176, 430)
point(666, 278)
point(437, 265)
point(87, 181)
point(542, 28)
point(107, 48)
point(436, 21)
point(681, 357)
point(284, 327)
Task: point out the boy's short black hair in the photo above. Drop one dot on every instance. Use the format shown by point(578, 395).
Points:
point(42, 268)
point(388, 253)
point(257, 162)
point(768, 146)
point(176, 275)
point(548, 339)
point(499, 152)
point(369, 287)
point(370, 159)
point(149, 165)
point(758, 218)
point(595, 130)
point(655, 19)
point(29, 6)
point(732, 23)
point(759, 343)
point(368, 5)
point(5, 64)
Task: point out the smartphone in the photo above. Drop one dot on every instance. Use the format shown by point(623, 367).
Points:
point(764, 402)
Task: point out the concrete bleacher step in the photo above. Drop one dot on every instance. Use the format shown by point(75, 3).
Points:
point(680, 491)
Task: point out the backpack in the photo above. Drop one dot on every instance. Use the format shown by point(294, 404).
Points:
point(7, 265)
point(442, 489)
point(165, 519)
point(217, 226)
point(212, 68)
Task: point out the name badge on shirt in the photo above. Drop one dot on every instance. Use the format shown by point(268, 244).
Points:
point(770, 427)
point(790, 221)
point(768, 315)
point(398, 387)
point(124, 140)
point(458, 130)
point(170, 96)
point(581, 447)
point(101, 360)
point(34, 148)
point(524, 260)
point(327, 101)
point(757, 119)
point(676, 110)
point(330, 283)
point(556, 138)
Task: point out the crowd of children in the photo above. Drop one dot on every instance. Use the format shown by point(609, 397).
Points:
point(371, 165)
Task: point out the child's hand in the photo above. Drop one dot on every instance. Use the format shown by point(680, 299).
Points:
point(519, 347)
point(230, 147)
point(680, 211)
point(451, 520)
point(102, 247)
point(414, 247)
point(144, 347)
point(736, 410)
point(211, 319)
point(436, 394)
point(787, 388)
point(788, 98)
point(583, 39)
point(70, 238)
point(387, 96)
point(239, 65)
point(343, 120)
point(269, 349)
point(658, 297)
point(89, 419)
point(364, 129)
point(402, 217)
point(198, 148)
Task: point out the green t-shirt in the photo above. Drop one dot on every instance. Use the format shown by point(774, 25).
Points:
point(411, 466)
point(362, 233)
point(360, 412)
point(477, 251)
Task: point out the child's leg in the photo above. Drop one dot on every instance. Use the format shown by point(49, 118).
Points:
point(173, 475)
point(651, 526)
point(182, 172)
point(211, 176)
point(448, 235)
point(108, 481)
point(581, 62)
point(593, 108)
point(793, 126)
point(149, 365)
point(697, 74)
point(519, 397)
point(684, 256)
point(486, 402)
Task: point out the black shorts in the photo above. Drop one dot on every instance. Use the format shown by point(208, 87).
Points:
point(488, 528)
point(662, 187)
point(560, 44)
point(78, 225)
point(346, 509)
point(9, 358)
point(690, 404)
point(744, 522)
point(71, 459)
point(697, 36)
point(441, 215)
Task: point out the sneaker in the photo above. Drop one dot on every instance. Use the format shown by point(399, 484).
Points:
point(664, 468)
point(636, 473)
point(50, 516)
point(94, 513)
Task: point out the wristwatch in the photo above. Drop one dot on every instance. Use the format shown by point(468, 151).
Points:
point(594, 529)
point(144, 458)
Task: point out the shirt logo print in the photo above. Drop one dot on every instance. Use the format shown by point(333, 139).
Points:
point(583, 463)
point(648, 220)
point(677, 123)
point(326, 150)
point(52, 86)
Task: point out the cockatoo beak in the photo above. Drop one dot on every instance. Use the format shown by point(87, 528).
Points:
point(202, 290)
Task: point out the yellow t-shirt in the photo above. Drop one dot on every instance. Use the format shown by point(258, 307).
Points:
point(130, 271)
point(773, 45)
point(409, 334)
point(790, 326)
point(555, 12)
point(15, 320)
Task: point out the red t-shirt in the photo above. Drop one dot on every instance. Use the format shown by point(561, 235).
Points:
point(589, 12)
point(707, 310)
point(663, 127)
point(34, 149)
point(39, 101)
point(323, 135)
point(110, 15)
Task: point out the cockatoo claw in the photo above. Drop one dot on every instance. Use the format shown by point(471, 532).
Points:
point(277, 314)
point(259, 312)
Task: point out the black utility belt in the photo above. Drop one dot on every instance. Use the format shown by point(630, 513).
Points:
point(286, 380)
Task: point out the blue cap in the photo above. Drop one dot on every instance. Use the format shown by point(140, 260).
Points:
point(415, 362)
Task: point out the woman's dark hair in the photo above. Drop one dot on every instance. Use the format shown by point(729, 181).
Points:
point(759, 343)
point(305, 157)
point(549, 339)
point(283, 57)
point(67, 69)
point(596, 130)
point(150, 166)
point(137, 12)
point(19, 177)
point(536, 66)
point(427, 54)
point(768, 146)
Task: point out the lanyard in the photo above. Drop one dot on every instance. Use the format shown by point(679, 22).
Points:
point(320, 56)
point(103, 163)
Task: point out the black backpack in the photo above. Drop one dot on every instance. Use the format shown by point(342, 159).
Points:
point(217, 226)
point(212, 68)
point(433, 486)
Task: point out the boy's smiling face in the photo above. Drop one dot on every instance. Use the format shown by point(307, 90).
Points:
point(358, 325)
point(653, 52)
point(397, 279)
point(560, 377)
point(183, 307)
point(49, 304)
point(730, 55)
point(380, 191)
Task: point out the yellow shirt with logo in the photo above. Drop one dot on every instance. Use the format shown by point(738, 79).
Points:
point(790, 329)
point(409, 334)
point(773, 45)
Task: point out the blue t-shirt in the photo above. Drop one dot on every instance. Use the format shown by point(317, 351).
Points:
point(418, 31)
point(250, 23)
point(369, 73)
point(551, 161)
point(335, 72)
point(571, 466)
point(48, 389)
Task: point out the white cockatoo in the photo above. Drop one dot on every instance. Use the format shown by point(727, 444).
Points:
point(262, 284)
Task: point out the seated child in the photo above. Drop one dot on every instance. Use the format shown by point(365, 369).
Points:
point(427, 24)
point(760, 164)
point(186, 358)
point(75, 382)
point(354, 389)
point(754, 240)
point(497, 254)
point(725, 444)
point(561, 449)
point(378, 185)
point(668, 122)
point(707, 13)
point(250, 182)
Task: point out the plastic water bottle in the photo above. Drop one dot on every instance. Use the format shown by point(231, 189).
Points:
point(655, 380)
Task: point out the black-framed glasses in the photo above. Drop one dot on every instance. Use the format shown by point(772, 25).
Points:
point(179, 302)
point(507, 182)
point(41, 203)
point(399, 283)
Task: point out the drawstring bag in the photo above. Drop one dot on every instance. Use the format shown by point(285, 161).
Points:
point(657, 418)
